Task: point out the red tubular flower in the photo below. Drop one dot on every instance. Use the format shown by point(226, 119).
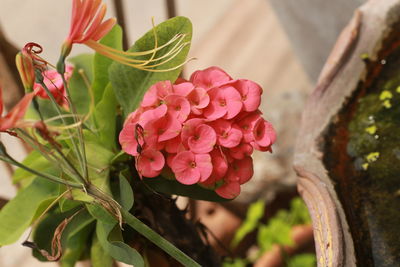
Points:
point(206, 129)
point(87, 23)
point(17, 112)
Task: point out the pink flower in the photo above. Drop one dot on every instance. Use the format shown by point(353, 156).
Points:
point(229, 135)
point(199, 99)
point(156, 94)
point(150, 163)
point(225, 102)
point(264, 135)
point(250, 92)
point(16, 113)
point(128, 140)
point(241, 150)
point(191, 168)
point(87, 25)
point(178, 107)
point(240, 172)
point(220, 167)
point(247, 124)
point(229, 190)
point(199, 137)
point(209, 78)
point(87, 21)
point(159, 126)
point(53, 81)
point(206, 129)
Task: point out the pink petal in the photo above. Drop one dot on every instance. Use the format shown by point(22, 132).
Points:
point(251, 94)
point(172, 145)
point(240, 151)
point(210, 77)
point(199, 99)
point(204, 165)
point(188, 177)
point(246, 124)
point(229, 190)
point(203, 139)
point(152, 115)
point(127, 139)
point(231, 138)
point(150, 163)
point(184, 167)
point(168, 128)
point(244, 169)
point(189, 128)
point(264, 133)
point(182, 161)
point(156, 93)
point(178, 107)
point(214, 111)
point(16, 113)
point(220, 166)
point(233, 102)
point(104, 28)
point(183, 89)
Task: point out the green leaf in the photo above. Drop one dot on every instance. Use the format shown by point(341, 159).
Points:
point(99, 161)
point(110, 238)
point(36, 161)
point(75, 237)
point(125, 193)
point(158, 240)
point(98, 256)
point(105, 118)
point(100, 214)
point(254, 214)
point(299, 212)
point(17, 214)
point(303, 260)
point(101, 63)
point(238, 262)
point(68, 204)
point(78, 88)
point(276, 232)
point(44, 231)
point(129, 83)
point(170, 187)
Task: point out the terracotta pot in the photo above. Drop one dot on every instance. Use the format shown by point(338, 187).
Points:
point(341, 82)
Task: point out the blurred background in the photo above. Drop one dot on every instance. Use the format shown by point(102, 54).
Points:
point(280, 44)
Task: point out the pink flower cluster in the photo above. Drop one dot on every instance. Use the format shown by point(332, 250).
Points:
point(204, 130)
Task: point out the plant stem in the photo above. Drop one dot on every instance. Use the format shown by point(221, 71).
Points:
point(81, 156)
point(158, 240)
point(7, 158)
point(80, 132)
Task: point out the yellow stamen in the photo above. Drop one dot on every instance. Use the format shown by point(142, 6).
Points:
point(387, 104)
point(365, 166)
point(373, 156)
point(385, 95)
point(371, 130)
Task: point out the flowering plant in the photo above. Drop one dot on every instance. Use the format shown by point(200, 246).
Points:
point(117, 124)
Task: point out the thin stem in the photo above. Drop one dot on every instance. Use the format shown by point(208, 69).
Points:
point(82, 158)
point(68, 167)
point(7, 158)
point(78, 153)
point(158, 240)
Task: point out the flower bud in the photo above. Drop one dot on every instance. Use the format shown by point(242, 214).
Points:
point(26, 71)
